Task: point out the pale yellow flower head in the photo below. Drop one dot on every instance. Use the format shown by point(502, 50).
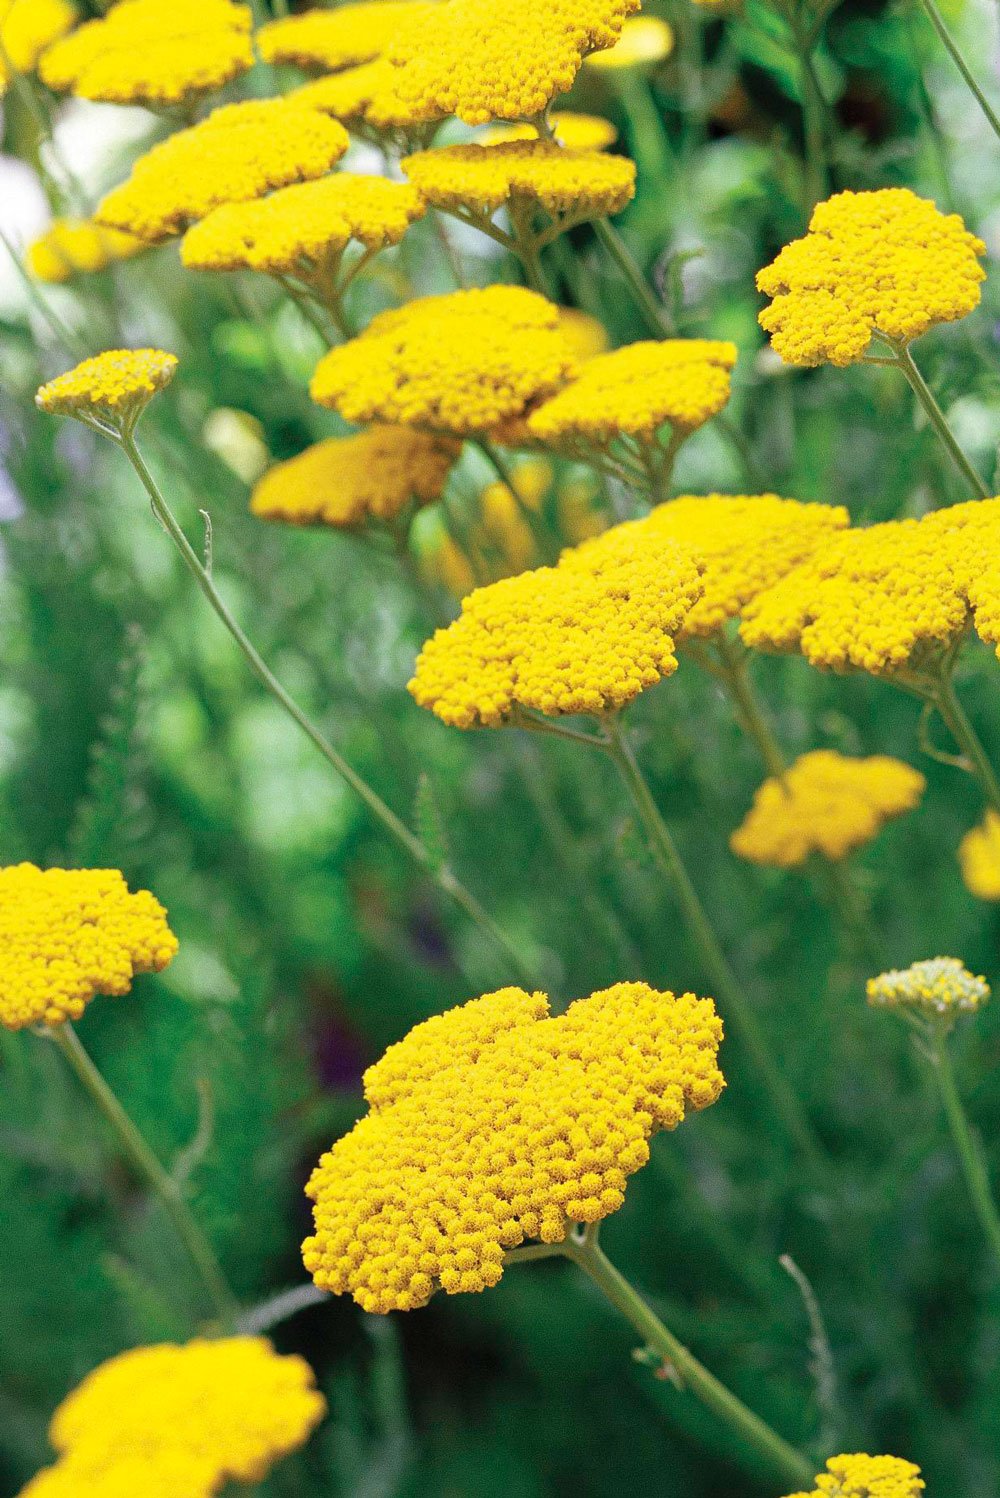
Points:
point(825, 803)
point(337, 38)
point(494, 1123)
point(645, 41)
point(148, 52)
point(586, 335)
point(459, 363)
point(483, 61)
point(872, 262)
point(568, 185)
point(577, 132)
point(180, 1420)
point(67, 935)
point(111, 389)
point(77, 247)
point(349, 482)
point(27, 27)
point(979, 858)
point(860, 1476)
point(239, 152)
point(564, 639)
point(938, 986)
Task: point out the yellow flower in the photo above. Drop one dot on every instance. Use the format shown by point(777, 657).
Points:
point(240, 151)
point(339, 38)
point(564, 639)
point(979, 857)
point(180, 1420)
point(861, 1476)
point(644, 40)
point(74, 246)
point(493, 1123)
point(146, 52)
point(27, 27)
point(577, 132)
point(939, 985)
point(571, 186)
point(443, 561)
point(872, 262)
point(484, 61)
point(586, 336)
point(304, 229)
point(459, 363)
point(349, 481)
point(501, 539)
point(361, 95)
point(636, 390)
point(111, 389)
point(828, 804)
point(67, 935)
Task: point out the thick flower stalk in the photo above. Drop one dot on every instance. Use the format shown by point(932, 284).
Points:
point(860, 1476)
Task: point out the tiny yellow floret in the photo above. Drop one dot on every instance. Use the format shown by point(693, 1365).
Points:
point(494, 1123)
point(338, 38)
point(568, 185)
point(77, 247)
point(872, 262)
point(67, 935)
point(939, 985)
point(826, 803)
point(860, 1476)
point(112, 388)
point(577, 132)
point(979, 858)
point(27, 27)
point(645, 40)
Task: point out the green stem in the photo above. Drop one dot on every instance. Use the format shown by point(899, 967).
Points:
point(947, 41)
point(783, 1459)
point(938, 421)
point(548, 548)
point(656, 316)
point(814, 186)
point(163, 1186)
point(850, 908)
point(445, 880)
point(967, 739)
point(969, 1150)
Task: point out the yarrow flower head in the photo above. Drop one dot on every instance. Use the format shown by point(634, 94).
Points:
point(145, 52)
point(176, 1420)
point(567, 639)
point(74, 247)
point(67, 935)
point(338, 38)
point(860, 1476)
point(461, 363)
point(570, 186)
point(939, 986)
point(577, 132)
point(363, 96)
point(238, 152)
point(826, 803)
point(494, 1123)
point(645, 41)
point(483, 61)
point(111, 390)
point(979, 858)
point(349, 482)
point(27, 27)
point(883, 262)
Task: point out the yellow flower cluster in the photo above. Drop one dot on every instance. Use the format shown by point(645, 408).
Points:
point(636, 390)
point(493, 1123)
point(112, 387)
point(586, 636)
point(349, 481)
point(145, 52)
point(180, 1421)
point(645, 40)
point(361, 95)
point(826, 803)
point(577, 132)
point(337, 38)
point(69, 934)
point(747, 544)
point(303, 228)
point(872, 262)
point(484, 61)
point(574, 185)
point(77, 246)
point(979, 857)
point(27, 27)
point(939, 985)
point(860, 1476)
point(240, 151)
point(460, 363)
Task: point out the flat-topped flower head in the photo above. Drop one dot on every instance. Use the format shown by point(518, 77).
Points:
point(565, 639)
point(78, 247)
point(304, 229)
point(111, 390)
point(747, 543)
point(645, 41)
point(568, 185)
point(67, 935)
point(940, 986)
point(872, 262)
point(459, 363)
point(27, 27)
point(337, 38)
point(979, 858)
point(483, 61)
point(349, 482)
point(238, 152)
point(203, 1414)
point(577, 132)
point(361, 96)
point(636, 390)
point(494, 1123)
point(146, 52)
point(826, 803)
point(861, 1476)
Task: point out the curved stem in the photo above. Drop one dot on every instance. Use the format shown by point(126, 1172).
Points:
point(967, 739)
point(445, 880)
point(969, 1150)
point(948, 42)
point(656, 316)
point(166, 1190)
point(938, 421)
